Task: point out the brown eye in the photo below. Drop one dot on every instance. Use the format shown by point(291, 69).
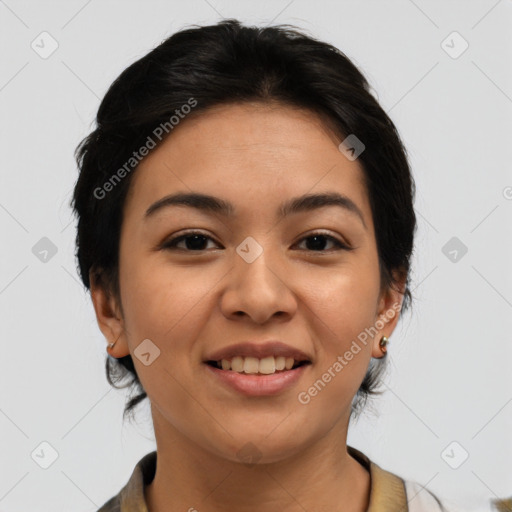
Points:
point(194, 241)
point(317, 242)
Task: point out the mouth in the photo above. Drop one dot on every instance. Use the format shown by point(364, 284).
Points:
point(254, 366)
point(253, 377)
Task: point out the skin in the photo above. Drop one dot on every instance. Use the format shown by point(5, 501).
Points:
point(191, 303)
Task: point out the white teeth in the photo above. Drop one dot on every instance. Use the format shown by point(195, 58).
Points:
point(237, 364)
point(280, 363)
point(251, 365)
point(267, 365)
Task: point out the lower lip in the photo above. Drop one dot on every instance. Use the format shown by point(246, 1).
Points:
point(259, 385)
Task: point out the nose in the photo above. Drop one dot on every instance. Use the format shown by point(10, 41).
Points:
point(258, 290)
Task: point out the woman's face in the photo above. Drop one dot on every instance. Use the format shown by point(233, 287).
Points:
point(252, 275)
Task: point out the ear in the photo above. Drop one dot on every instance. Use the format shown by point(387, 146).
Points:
point(388, 313)
point(108, 315)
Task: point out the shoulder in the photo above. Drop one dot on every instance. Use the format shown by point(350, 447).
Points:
point(112, 505)
point(420, 499)
point(131, 496)
point(390, 492)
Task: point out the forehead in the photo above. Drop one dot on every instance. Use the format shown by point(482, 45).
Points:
point(252, 155)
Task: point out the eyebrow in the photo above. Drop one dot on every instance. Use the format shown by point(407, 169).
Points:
point(216, 205)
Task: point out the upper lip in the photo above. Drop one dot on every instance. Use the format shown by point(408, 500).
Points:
point(258, 350)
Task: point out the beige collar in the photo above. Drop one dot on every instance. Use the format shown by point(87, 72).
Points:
point(387, 490)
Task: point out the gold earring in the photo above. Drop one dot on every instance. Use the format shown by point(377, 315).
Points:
point(383, 344)
point(111, 345)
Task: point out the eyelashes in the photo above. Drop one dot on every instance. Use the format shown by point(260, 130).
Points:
point(197, 239)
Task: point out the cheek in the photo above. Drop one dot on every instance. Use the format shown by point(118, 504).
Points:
point(341, 312)
point(345, 298)
point(343, 335)
point(164, 302)
point(169, 306)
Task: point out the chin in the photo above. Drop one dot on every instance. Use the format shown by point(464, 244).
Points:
point(265, 447)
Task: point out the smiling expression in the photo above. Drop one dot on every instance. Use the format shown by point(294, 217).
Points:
point(270, 181)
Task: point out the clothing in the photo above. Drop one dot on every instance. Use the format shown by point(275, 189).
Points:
point(388, 492)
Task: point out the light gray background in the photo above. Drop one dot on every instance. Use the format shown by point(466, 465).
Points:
point(450, 373)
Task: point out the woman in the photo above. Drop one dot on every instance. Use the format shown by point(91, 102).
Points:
point(245, 227)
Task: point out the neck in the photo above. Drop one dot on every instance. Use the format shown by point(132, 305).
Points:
point(321, 476)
